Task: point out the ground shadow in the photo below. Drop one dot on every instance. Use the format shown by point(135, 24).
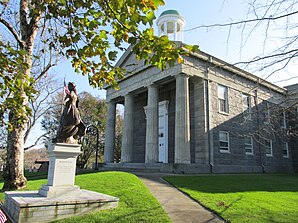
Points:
point(237, 183)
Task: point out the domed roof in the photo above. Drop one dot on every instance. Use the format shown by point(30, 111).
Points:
point(170, 12)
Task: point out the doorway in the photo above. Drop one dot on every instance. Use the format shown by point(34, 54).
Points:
point(163, 132)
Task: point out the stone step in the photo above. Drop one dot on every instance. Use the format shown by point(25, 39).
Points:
point(131, 167)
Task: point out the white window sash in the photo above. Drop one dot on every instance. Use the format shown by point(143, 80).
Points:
point(286, 148)
point(225, 148)
point(250, 145)
point(283, 121)
point(222, 95)
point(269, 147)
point(246, 105)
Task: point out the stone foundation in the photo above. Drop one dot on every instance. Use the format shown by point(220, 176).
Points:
point(31, 207)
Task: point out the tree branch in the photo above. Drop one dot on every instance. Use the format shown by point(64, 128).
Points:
point(256, 59)
point(241, 22)
point(13, 32)
point(37, 140)
point(44, 71)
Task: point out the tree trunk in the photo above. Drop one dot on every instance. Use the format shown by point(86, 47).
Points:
point(13, 175)
point(14, 170)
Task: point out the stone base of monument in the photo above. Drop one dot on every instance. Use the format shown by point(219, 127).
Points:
point(60, 198)
point(30, 206)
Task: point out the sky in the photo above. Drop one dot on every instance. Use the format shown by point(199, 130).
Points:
point(224, 43)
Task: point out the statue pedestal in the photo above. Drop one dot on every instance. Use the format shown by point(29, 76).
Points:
point(60, 198)
point(62, 169)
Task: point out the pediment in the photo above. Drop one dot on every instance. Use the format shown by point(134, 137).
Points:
point(129, 62)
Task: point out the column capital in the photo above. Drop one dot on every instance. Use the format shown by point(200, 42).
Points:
point(128, 94)
point(182, 75)
point(152, 85)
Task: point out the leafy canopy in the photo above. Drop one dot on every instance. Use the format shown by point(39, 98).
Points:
point(88, 32)
point(91, 28)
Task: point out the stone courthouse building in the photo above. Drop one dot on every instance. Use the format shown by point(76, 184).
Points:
point(203, 115)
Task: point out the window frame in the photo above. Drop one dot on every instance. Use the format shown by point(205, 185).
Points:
point(225, 99)
point(246, 107)
point(267, 113)
point(286, 149)
point(283, 123)
point(251, 144)
point(222, 149)
point(270, 147)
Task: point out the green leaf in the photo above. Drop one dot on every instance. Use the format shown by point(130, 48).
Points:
point(192, 48)
point(103, 34)
point(112, 55)
point(22, 52)
point(150, 16)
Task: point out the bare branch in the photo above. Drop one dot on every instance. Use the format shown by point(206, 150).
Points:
point(46, 69)
point(13, 32)
point(36, 142)
point(256, 59)
point(241, 22)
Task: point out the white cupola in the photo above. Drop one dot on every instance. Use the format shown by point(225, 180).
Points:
point(171, 23)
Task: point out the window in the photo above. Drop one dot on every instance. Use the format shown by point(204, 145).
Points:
point(285, 150)
point(268, 145)
point(246, 105)
point(248, 145)
point(224, 141)
point(223, 98)
point(283, 122)
point(266, 113)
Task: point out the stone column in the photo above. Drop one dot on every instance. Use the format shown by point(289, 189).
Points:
point(110, 133)
point(182, 125)
point(151, 154)
point(200, 122)
point(127, 136)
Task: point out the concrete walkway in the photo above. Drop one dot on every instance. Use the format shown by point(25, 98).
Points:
point(179, 206)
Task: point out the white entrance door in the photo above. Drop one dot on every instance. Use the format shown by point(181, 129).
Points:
point(163, 132)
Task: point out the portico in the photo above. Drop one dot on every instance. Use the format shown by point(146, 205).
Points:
point(150, 137)
point(162, 109)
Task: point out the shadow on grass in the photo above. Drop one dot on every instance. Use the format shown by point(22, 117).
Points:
point(30, 176)
point(237, 183)
point(227, 183)
point(44, 175)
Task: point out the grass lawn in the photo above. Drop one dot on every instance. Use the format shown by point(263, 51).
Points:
point(244, 198)
point(136, 202)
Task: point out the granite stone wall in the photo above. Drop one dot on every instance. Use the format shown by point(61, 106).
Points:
point(236, 123)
